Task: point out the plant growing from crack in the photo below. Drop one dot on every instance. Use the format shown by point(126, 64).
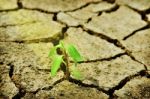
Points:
point(61, 60)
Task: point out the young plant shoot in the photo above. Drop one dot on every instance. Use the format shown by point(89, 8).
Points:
point(67, 50)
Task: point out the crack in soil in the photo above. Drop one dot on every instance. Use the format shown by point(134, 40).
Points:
point(110, 1)
point(123, 82)
point(19, 3)
point(10, 10)
point(104, 59)
point(55, 17)
point(61, 36)
point(57, 82)
point(47, 87)
point(90, 19)
point(113, 9)
point(148, 74)
point(147, 11)
point(83, 6)
point(1, 63)
point(142, 13)
point(133, 58)
point(80, 83)
point(116, 42)
point(20, 94)
point(11, 70)
point(135, 31)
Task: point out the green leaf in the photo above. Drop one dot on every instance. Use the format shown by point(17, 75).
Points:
point(58, 59)
point(73, 52)
point(52, 52)
point(76, 73)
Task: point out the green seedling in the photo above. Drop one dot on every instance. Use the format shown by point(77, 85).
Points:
point(61, 60)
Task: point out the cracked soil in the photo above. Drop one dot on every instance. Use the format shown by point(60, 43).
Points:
point(113, 36)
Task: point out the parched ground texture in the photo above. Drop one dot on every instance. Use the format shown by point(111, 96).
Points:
point(113, 36)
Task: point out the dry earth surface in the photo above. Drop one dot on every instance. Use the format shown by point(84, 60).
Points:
point(113, 36)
